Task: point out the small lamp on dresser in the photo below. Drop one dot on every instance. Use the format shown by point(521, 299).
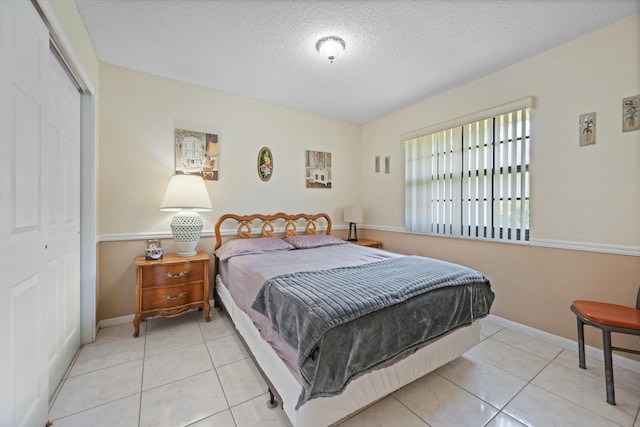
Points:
point(353, 215)
point(186, 194)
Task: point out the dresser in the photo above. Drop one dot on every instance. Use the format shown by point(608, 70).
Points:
point(171, 286)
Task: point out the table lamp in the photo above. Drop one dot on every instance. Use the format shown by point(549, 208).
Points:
point(352, 215)
point(187, 195)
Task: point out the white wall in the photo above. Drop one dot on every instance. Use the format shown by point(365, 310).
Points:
point(578, 194)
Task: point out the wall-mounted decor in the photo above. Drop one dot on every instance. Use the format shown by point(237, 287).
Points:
point(265, 164)
point(387, 164)
point(197, 153)
point(587, 123)
point(631, 113)
point(377, 165)
point(318, 169)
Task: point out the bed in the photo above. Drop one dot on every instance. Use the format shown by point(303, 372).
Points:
point(313, 310)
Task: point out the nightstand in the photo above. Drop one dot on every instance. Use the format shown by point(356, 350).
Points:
point(171, 286)
point(369, 243)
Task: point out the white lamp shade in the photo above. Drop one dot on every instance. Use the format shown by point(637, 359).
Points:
point(186, 192)
point(353, 214)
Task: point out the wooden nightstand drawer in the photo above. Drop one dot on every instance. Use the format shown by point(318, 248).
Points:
point(171, 286)
point(171, 274)
point(171, 296)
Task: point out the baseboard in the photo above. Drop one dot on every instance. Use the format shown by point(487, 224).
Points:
point(594, 352)
point(115, 321)
point(566, 343)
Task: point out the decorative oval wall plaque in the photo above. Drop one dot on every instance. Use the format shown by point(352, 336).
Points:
point(265, 164)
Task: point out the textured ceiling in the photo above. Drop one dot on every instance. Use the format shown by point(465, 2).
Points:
point(397, 51)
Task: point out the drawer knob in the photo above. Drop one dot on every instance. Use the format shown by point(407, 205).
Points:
point(175, 276)
point(179, 296)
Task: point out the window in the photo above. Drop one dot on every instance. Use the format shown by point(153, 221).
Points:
point(471, 180)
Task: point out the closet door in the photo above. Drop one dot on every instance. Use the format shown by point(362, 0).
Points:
point(35, 218)
point(61, 162)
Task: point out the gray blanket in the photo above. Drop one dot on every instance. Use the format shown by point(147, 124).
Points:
point(336, 322)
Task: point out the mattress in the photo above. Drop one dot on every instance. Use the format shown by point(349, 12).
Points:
point(239, 280)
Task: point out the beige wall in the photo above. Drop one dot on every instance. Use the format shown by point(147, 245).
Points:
point(137, 159)
point(580, 196)
point(534, 285)
point(139, 113)
point(117, 295)
point(118, 274)
point(67, 14)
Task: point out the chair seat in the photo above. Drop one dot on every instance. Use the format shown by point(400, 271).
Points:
point(609, 314)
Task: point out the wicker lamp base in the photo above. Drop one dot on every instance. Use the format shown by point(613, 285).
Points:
point(186, 227)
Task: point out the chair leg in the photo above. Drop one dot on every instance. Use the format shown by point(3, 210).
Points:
point(608, 366)
point(581, 359)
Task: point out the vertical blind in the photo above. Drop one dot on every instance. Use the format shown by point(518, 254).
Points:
point(471, 180)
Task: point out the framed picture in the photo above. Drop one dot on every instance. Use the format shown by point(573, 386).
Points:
point(317, 169)
point(387, 164)
point(265, 164)
point(631, 113)
point(587, 123)
point(197, 153)
point(376, 167)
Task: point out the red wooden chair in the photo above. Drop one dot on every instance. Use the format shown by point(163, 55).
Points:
point(608, 318)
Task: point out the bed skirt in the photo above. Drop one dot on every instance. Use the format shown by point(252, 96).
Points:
point(362, 391)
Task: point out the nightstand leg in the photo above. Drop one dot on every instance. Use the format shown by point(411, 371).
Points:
point(136, 325)
point(207, 310)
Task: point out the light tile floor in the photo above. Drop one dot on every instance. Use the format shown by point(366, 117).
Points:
point(185, 371)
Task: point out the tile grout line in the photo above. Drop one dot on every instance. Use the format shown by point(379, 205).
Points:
point(530, 382)
point(144, 358)
point(559, 360)
point(397, 400)
point(215, 371)
point(462, 388)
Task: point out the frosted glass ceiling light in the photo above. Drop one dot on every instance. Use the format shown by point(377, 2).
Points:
point(331, 47)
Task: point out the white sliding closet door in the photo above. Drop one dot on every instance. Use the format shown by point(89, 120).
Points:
point(39, 218)
point(61, 161)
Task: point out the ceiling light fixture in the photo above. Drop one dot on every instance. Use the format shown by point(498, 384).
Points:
point(331, 47)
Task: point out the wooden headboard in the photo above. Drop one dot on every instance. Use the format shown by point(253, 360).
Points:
point(266, 223)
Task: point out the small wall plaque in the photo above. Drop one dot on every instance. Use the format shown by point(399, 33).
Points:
point(631, 113)
point(265, 164)
point(587, 129)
